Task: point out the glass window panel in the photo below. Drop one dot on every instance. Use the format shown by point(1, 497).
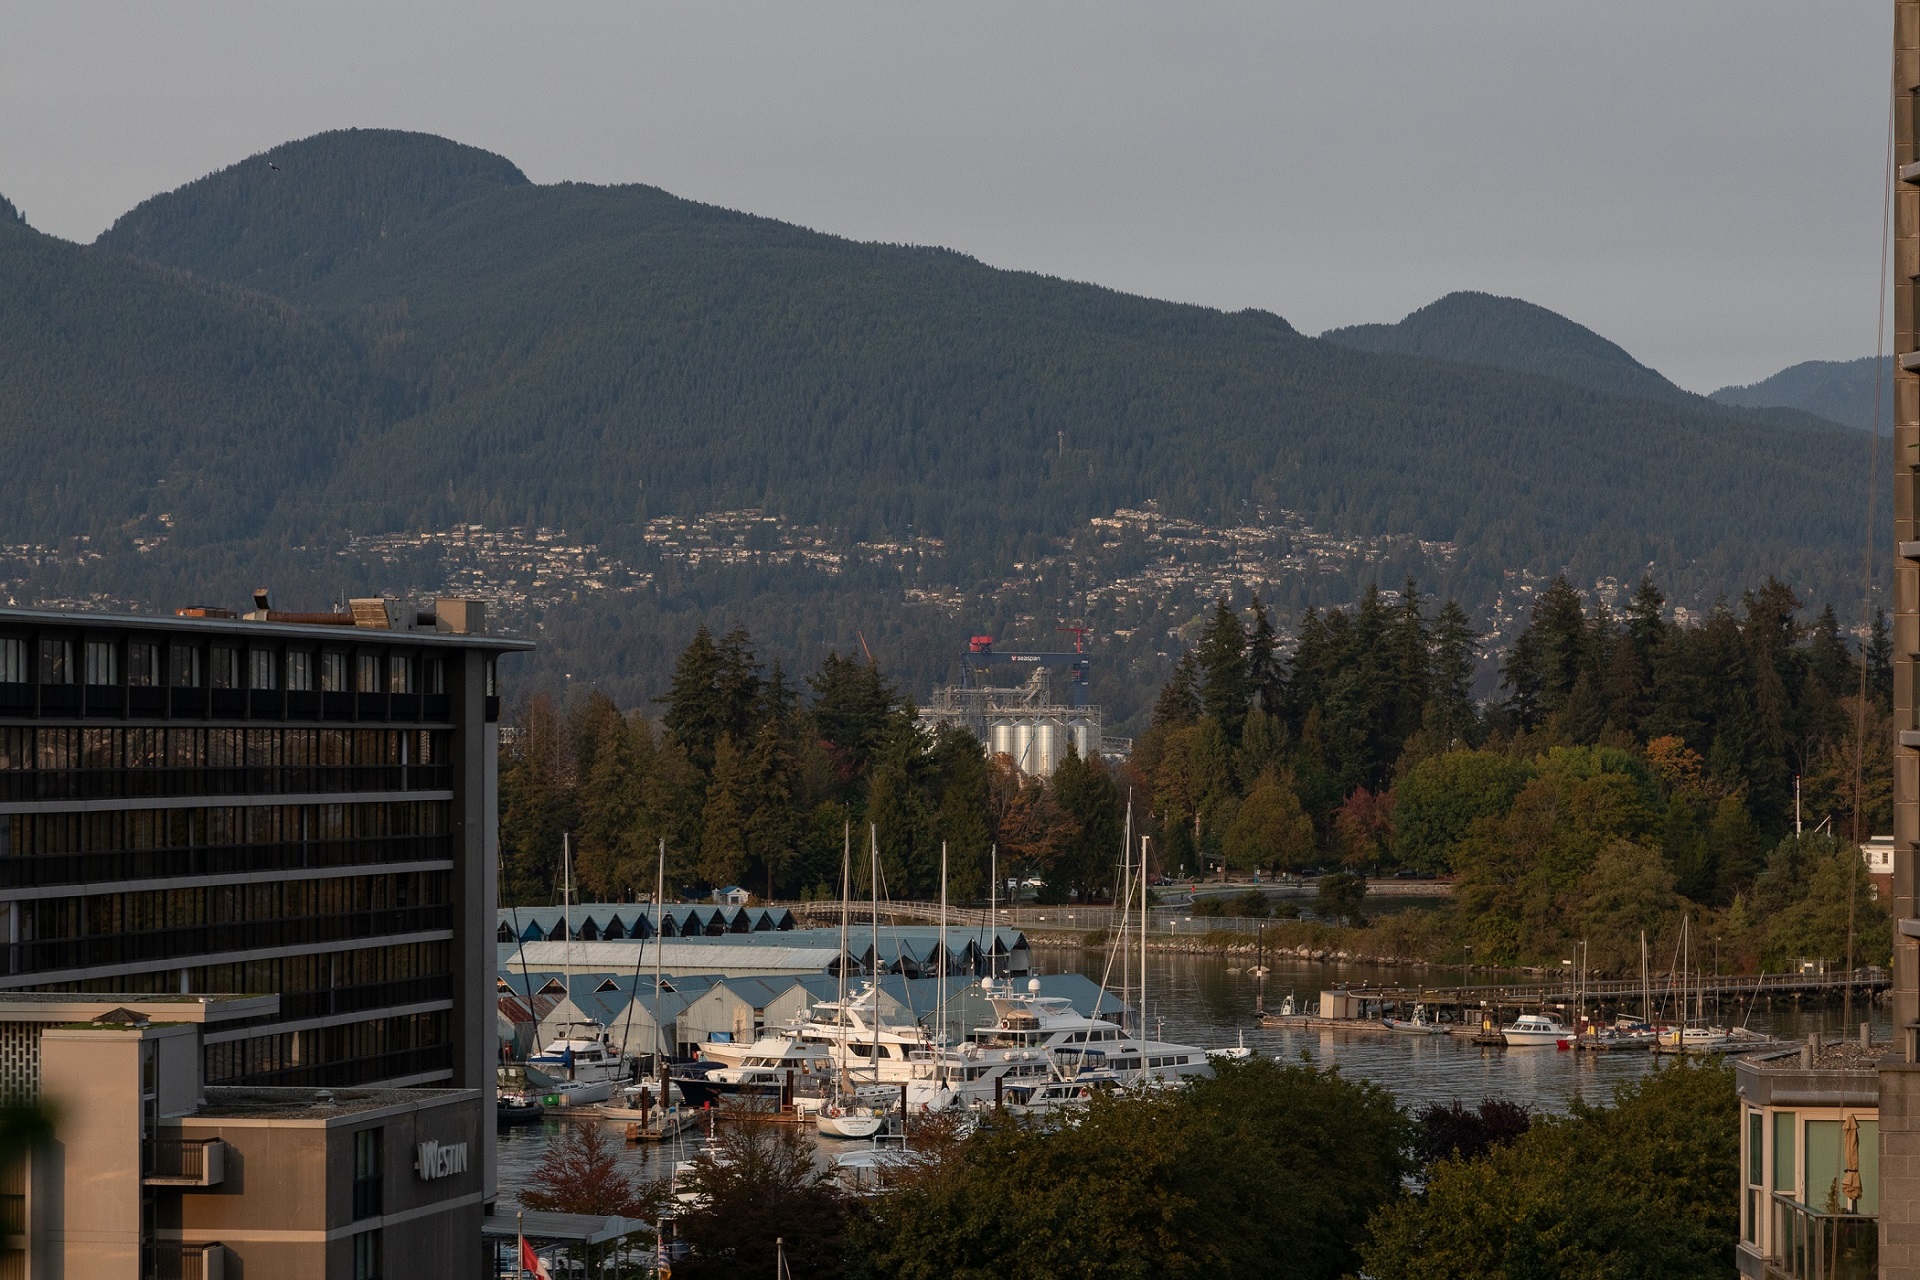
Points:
point(1784, 1165)
point(103, 662)
point(433, 675)
point(13, 661)
point(266, 670)
point(1822, 1139)
point(1755, 1148)
point(300, 672)
point(368, 674)
point(143, 664)
point(1870, 1168)
point(56, 661)
point(187, 672)
point(224, 668)
point(333, 673)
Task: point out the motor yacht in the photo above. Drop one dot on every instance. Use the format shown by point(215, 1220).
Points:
point(1534, 1029)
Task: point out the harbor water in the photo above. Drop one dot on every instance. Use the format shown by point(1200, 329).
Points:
point(1210, 1000)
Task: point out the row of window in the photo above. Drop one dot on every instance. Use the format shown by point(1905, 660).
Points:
point(196, 748)
point(287, 975)
point(185, 665)
point(25, 834)
point(109, 914)
point(261, 1058)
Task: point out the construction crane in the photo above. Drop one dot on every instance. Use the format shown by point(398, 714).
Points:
point(1079, 635)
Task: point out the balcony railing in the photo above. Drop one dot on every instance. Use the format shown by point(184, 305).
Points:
point(184, 1262)
point(1810, 1245)
point(184, 1162)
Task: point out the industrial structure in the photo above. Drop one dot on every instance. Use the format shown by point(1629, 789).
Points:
point(1006, 698)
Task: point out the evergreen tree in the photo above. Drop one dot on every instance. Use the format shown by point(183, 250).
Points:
point(1880, 660)
point(1450, 698)
point(697, 713)
point(1266, 677)
point(1222, 657)
point(1179, 702)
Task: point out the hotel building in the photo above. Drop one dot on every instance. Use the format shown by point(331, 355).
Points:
point(294, 805)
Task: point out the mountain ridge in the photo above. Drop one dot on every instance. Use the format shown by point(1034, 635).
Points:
point(481, 349)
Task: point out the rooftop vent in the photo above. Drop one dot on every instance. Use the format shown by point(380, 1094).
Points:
point(121, 1018)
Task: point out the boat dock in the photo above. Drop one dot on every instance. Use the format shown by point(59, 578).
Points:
point(1496, 998)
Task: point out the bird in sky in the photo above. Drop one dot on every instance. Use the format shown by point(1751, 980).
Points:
point(271, 165)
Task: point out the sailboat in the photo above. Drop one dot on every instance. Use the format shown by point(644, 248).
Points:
point(1692, 1035)
point(843, 1114)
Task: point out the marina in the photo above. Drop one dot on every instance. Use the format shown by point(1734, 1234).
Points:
point(1206, 1000)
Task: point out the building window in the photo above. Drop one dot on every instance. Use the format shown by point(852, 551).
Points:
point(143, 664)
point(13, 661)
point(56, 661)
point(225, 673)
point(333, 673)
point(366, 1183)
point(186, 667)
point(366, 1255)
point(300, 672)
point(1784, 1165)
point(493, 690)
point(399, 675)
point(433, 674)
point(266, 670)
point(103, 662)
point(367, 674)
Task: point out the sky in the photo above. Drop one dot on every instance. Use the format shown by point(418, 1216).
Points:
point(1700, 182)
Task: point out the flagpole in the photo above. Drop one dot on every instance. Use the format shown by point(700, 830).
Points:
point(520, 1253)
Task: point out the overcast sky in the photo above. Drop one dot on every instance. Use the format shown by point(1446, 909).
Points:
point(1698, 181)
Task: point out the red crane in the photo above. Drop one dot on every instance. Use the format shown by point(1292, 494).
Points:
point(1079, 635)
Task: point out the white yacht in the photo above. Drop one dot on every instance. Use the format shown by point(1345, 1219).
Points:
point(772, 1067)
point(1534, 1029)
point(583, 1068)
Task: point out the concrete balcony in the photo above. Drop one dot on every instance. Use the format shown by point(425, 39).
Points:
point(1910, 550)
point(1910, 172)
point(185, 1162)
point(1911, 362)
point(184, 1262)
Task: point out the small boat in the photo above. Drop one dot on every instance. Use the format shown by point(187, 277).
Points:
point(518, 1109)
point(1695, 1039)
point(1233, 1052)
point(1418, 1025)
point(1532, 1029)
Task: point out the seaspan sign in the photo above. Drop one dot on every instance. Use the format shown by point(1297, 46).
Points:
point(437, 1161)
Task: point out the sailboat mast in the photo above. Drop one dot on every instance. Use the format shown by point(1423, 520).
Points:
point(1122, 901)
point(1143, 924)
point(993, 913)
point(940, 1018)
point(873, 885)
point(566, 899)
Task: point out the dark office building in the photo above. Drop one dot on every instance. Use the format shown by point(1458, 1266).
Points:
point(292, 803)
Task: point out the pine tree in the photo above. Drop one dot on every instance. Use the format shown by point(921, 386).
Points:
point(1179, 702)
point(1450, 687)
point(1265, 675)
point(696, 714)
point(723, 824)
point(1880, 661)
point(1222, 656)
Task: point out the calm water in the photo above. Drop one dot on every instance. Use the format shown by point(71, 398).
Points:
point(1194, 999)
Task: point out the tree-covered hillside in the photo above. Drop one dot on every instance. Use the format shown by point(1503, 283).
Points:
point(1840, 391)
point(293, 214)
point(376, 332)
point(1507, 333)
point(130, 392)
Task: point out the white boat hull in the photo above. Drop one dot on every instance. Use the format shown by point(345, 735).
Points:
point(838, 1122)
point(1534, 1039)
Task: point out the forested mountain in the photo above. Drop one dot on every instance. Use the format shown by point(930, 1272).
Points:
point(303, 210)
point(1840, 391)
point(370, 332)
point(129, 392)
point(1507, 333)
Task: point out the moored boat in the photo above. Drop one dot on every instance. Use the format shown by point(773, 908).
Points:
point(1532, 1030)
point(1418, 1025)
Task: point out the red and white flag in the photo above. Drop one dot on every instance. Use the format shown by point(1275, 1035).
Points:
point(532, 1263)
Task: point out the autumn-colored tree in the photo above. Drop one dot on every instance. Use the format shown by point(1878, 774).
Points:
point(1363, 828)
point(582, 1173)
